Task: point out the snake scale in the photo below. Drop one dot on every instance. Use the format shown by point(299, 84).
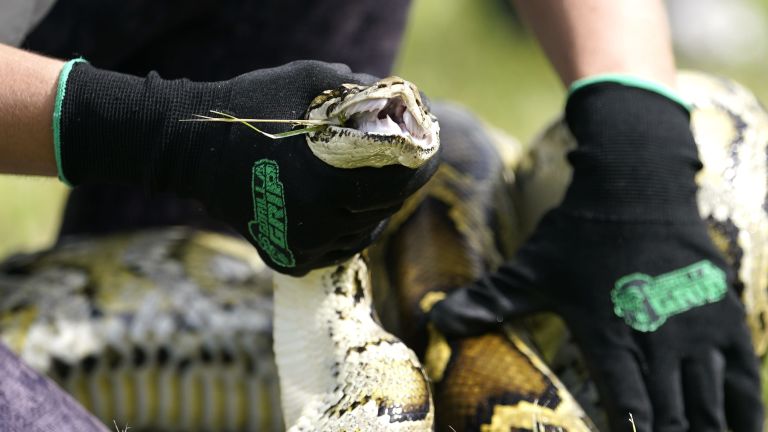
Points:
point(172, 329)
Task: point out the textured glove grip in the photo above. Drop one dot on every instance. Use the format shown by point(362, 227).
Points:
point(636, 157)
point(120, 129)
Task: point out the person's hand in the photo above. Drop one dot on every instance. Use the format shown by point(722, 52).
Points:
point(626, 260)
point(299, 212)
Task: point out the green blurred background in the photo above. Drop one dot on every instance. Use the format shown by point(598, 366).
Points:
point(473, 52)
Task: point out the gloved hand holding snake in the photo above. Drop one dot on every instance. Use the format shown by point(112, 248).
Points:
point(300, 212)
point(626, 260)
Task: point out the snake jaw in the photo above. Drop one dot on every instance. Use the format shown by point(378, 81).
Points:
point(383, 124)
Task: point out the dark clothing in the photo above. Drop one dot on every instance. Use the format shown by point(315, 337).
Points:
point(209, 40)
point(205, 40)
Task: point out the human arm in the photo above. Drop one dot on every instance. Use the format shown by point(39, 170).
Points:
point(113, 128)
point(26, 110)
point(583, 38)
point(627, 226)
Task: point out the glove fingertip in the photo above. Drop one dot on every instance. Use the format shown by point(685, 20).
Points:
point(454, 316)
point(744, 410)
point(622, 389)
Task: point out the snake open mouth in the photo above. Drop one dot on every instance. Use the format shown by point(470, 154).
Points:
point(383, 124)
point(384, 117)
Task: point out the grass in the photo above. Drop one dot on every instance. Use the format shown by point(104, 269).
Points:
point(632, 422)
point(117, 429)
point(471, 52)
point(29, 211)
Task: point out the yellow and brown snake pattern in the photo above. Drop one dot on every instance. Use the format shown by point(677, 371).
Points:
point(172, 329)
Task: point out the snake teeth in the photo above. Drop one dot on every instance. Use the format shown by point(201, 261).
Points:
point(384, 117)
point(413, 127)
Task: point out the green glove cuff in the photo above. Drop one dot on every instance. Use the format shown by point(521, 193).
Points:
point(60, 92)
point(632, 81)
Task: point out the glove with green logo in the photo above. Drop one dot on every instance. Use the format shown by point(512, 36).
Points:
point(299, 212)
point(626, 260)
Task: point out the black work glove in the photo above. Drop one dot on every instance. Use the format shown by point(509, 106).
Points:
point(626, 260)
point(299, 212)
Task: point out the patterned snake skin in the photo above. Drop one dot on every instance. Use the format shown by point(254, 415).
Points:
point(464, 225)
point(171, 329)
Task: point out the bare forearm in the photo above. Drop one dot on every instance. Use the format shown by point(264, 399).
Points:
point(590, 37)
point(27, 95)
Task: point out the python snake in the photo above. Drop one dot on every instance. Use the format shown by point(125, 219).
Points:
point(171, 329)
point(339, 370)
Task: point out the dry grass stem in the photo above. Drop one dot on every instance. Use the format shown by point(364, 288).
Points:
point(311, 125)
point(117, 429)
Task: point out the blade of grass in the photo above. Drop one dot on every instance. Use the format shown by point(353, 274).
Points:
point(237, 119)
point(315, 125)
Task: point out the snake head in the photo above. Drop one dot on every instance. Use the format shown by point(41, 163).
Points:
point(386, 123)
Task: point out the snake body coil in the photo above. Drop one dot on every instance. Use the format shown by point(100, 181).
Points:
point(339, 369)
point(172, 329)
